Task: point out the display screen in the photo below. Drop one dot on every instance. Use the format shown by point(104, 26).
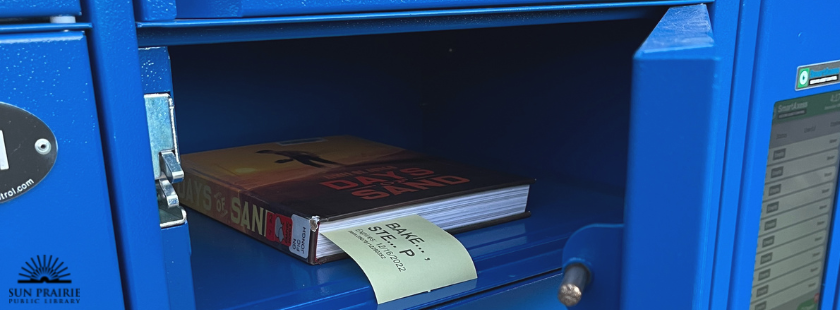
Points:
point(798, 202)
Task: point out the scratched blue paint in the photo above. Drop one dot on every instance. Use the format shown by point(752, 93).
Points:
point(155, 71)
point(155, 10)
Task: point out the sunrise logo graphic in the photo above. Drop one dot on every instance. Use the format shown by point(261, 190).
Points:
point(44, 271)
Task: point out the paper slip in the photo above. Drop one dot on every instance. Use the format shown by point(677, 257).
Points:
point(405, 256)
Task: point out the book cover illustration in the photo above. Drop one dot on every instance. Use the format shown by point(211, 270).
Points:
point(272, 191)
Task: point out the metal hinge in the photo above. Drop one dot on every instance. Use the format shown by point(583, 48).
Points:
point(166, 161)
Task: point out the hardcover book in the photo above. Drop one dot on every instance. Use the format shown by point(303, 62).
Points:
point(284, 194)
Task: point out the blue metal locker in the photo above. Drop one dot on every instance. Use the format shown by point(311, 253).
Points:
point(684, 149)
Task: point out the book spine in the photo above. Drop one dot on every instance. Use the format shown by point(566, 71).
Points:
point(247, 214)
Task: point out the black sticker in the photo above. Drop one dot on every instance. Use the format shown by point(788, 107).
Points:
point(777, 172)
point(762, 290)
point(27, 151)
point(768, 241)
point(772, 207)
point(766, 258)
point(770, 224)
point(764, 275)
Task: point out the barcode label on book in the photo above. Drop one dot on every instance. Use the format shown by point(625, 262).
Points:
point(300, 236)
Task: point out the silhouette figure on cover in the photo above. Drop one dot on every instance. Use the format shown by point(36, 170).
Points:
point(305, 158)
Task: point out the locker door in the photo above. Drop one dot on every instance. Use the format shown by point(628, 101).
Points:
point(56, 233)
point(662, 256)
point(678, 125)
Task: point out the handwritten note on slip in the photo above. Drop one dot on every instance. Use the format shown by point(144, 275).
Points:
point(405, 256)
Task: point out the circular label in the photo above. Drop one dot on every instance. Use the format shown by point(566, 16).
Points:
point(27, 151)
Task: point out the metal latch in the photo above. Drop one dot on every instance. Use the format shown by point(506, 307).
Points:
point(166, 161)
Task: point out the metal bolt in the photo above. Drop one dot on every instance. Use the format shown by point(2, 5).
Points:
point(575, 279)
point(43, 146)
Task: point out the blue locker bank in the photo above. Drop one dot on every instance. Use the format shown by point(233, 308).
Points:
point(686, 151)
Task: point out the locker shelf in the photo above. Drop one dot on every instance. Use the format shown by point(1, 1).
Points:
point(234, 270)
point(202, 31)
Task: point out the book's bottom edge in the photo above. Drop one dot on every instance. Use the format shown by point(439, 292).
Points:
point(502, 220)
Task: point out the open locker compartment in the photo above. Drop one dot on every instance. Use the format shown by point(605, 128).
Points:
point(551, 102)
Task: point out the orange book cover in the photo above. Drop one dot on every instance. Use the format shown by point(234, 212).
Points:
point(279, 193)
